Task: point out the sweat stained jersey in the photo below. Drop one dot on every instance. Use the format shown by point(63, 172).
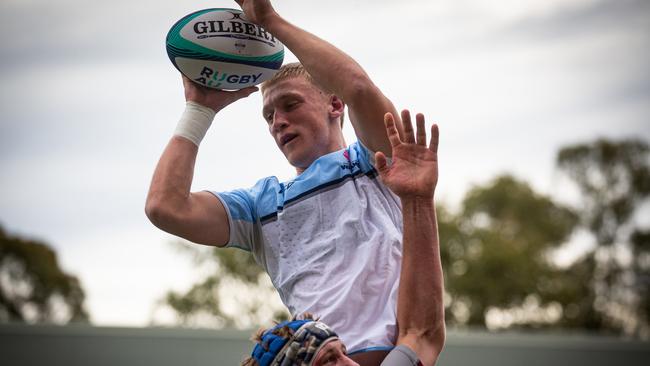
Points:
point(331, 241)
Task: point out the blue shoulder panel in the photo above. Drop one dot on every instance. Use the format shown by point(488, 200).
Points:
point(245, 204)
point(328, 170)
point(268, 196)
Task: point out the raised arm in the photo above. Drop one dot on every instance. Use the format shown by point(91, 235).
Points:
point(333, 70)
point(413, 176)
point(196, 216)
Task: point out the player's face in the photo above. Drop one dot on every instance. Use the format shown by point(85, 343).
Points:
point(333, 354)
point(298, 117)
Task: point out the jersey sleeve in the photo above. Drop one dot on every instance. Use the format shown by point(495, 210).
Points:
point(240, 205)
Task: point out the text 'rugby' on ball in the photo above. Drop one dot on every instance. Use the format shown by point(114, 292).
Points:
point(219, 48)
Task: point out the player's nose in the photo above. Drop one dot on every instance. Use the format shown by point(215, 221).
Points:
point(279, 121)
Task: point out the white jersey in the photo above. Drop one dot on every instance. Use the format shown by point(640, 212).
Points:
point(331, 241)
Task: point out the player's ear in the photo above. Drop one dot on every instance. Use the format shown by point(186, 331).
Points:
point(336, 106)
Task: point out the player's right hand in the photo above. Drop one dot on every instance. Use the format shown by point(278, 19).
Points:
point(213, 98)
point(259, 12)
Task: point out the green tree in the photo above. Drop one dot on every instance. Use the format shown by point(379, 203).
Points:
point(496, 255)
point(33, 287)
point(613, 178)
point(234, 277)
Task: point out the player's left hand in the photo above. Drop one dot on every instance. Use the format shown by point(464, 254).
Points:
point(257, 11)
point(213, 98)
point(414, 168)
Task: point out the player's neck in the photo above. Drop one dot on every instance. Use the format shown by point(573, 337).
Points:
point(337, 146)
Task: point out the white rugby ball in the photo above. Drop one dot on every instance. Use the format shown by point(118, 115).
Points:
point(220, 49)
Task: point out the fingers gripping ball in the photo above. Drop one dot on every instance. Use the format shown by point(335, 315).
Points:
point(219, 48)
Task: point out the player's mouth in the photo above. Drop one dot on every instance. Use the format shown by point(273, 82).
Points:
point(285, 139)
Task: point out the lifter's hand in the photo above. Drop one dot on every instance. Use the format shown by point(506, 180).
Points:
point(414, 171)
point(257, 11)
point(213, 98)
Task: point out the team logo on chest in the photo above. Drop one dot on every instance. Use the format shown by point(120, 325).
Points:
point(350, 165)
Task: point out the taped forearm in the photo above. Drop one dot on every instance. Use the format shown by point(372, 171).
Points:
point(194, 122)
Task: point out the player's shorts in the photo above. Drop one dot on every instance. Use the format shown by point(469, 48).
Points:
point(401, 356)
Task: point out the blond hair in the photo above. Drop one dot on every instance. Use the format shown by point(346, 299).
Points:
point(294, 70)
point(284, 332)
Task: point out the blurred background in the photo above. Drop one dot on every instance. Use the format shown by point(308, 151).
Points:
point(544, 111)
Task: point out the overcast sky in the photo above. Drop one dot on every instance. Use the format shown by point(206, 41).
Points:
point(89, 99)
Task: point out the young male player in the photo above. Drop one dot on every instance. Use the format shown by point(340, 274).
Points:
point(420, 312)
point(330, 239)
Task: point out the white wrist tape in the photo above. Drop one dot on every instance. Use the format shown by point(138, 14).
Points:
point(194, 122)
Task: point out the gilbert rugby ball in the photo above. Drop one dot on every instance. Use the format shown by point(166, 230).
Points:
point(220, 49)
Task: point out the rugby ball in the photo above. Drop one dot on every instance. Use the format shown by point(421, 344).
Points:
point(220, 49)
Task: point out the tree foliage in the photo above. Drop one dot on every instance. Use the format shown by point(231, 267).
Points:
point(234, 278)
point(33, 287)
point(613, 178)
point(496, 254)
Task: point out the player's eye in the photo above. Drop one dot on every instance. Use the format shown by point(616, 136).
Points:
point(291, 105)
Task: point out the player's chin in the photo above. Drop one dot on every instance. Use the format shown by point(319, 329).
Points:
point(299, 161)
point(293, 155)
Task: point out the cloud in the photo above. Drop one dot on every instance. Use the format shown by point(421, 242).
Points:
point(628, 16)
